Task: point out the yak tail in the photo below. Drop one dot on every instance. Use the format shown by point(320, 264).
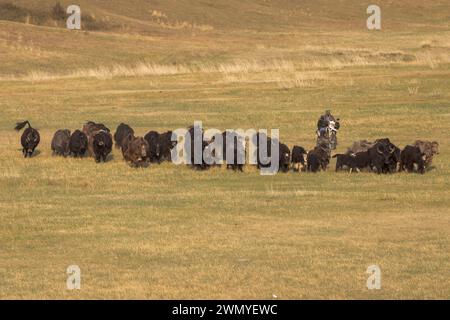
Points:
point(19, 125)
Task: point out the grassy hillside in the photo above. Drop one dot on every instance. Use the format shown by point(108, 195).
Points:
point(256, 15)
point(171, 232)
point(312, 32)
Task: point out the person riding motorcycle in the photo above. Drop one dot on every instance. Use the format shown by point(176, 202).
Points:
point(327, 127)
point(324, 123)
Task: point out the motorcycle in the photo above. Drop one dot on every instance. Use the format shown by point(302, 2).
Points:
point(328, 135)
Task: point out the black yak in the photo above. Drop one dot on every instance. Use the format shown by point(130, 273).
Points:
point(78, 143)
point(102, 145)
point(60, 142)
point(30, 138)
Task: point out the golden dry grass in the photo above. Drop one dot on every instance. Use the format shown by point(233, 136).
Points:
point(171, 232)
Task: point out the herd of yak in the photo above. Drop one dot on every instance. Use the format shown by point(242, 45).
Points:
point(95, 139)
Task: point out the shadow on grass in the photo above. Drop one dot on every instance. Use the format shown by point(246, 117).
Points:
point(36, 153)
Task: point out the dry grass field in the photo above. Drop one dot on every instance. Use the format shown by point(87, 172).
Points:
point(169, 232)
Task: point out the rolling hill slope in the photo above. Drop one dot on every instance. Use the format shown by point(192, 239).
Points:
point(169, 231)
